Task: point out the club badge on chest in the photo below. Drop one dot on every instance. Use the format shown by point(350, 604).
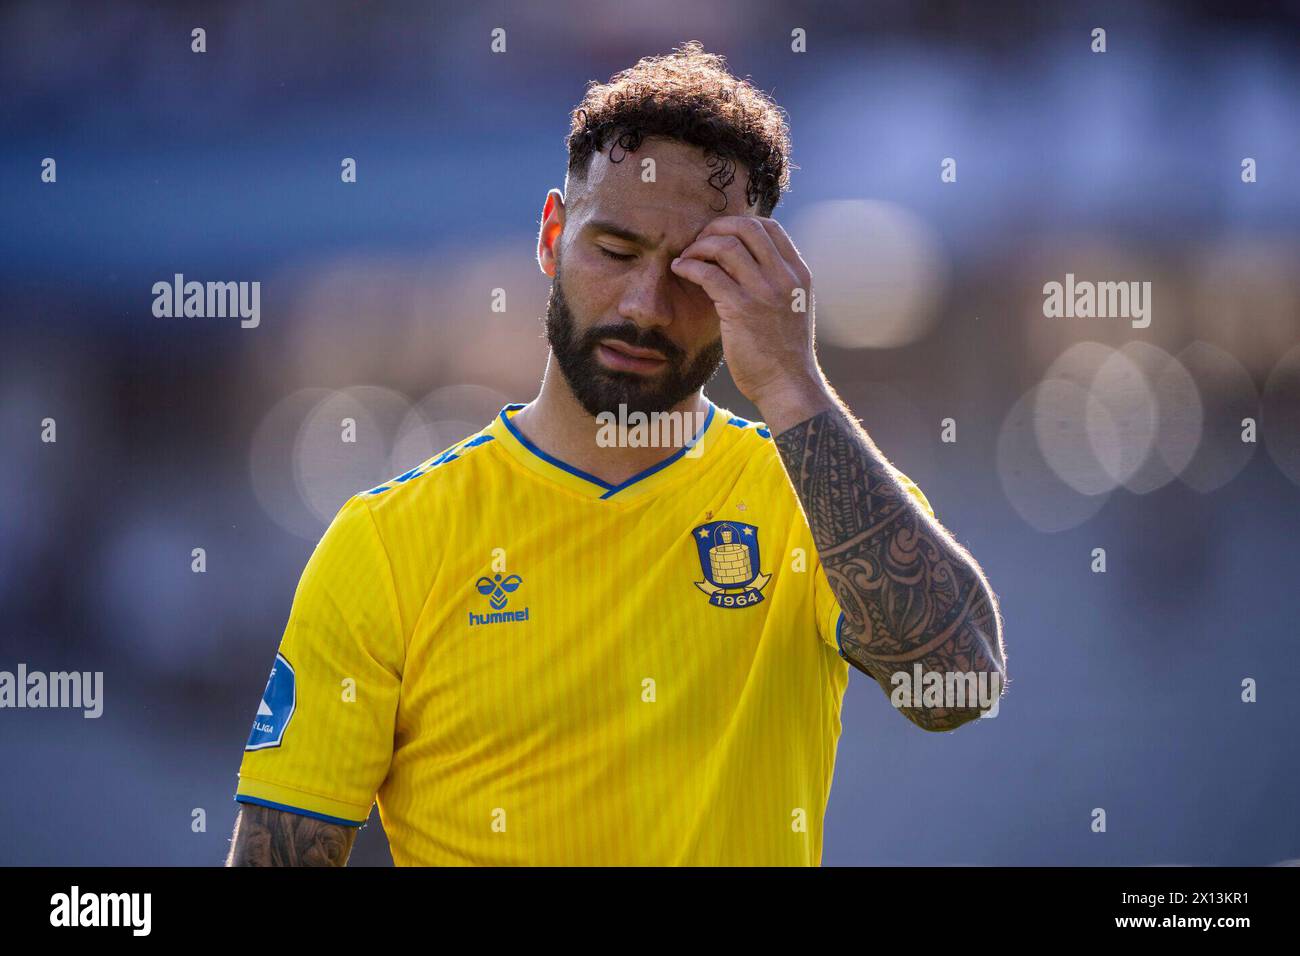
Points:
point(730, 562)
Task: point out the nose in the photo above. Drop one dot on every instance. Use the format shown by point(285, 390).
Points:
point(646, 299)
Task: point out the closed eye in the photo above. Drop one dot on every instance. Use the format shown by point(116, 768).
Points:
point(614, 255)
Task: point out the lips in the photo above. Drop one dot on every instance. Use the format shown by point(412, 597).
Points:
point(632, 350)
point(622, 357)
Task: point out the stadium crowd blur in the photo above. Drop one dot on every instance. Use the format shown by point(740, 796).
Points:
point(1072, 434)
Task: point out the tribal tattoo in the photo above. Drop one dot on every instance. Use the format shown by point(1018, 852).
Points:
point(266, 837)
point(910, 594)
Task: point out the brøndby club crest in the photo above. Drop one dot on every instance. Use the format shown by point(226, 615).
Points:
point(730, 562)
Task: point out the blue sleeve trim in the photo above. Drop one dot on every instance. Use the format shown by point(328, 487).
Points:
point(839, 627)
point(241, 798)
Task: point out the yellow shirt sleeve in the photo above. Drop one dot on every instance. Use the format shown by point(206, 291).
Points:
point(828, 608)
point(322, 739)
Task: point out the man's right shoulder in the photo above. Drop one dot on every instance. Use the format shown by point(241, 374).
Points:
point(408, 521)
point(442, 479)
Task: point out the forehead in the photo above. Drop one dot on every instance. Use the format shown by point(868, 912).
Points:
point(675, 203)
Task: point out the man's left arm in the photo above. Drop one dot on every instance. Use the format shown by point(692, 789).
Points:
point(910, 594)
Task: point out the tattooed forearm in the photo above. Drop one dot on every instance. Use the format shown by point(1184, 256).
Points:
point(910, 594)
point(266, 837)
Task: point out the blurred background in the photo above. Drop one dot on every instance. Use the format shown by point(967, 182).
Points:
point(1072, 434)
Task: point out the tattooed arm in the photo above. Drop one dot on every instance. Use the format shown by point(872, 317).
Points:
point(910, 594)
point(266, 837)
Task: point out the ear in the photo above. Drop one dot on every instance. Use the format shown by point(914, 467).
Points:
point(549, 234)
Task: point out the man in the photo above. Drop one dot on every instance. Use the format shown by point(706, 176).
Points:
point(556, 643)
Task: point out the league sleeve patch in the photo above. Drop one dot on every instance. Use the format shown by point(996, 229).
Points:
point(276, 709)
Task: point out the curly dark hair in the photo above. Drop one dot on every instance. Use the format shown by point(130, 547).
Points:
point(688, 95)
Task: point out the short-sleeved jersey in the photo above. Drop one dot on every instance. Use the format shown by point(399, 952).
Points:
point(526, 665)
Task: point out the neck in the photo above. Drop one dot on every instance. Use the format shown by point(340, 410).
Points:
point(557, 423)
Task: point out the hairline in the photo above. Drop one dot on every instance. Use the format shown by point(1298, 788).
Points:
point(579, 174)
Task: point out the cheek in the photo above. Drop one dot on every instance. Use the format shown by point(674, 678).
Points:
point(586, 290)
point(694, 304)
point(701, 332)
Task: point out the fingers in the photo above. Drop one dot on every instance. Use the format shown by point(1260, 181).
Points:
point(767, 241)
point(732, 255)
point(754, 255)
point(752, 235)
point(785, 246)
point(715, 282)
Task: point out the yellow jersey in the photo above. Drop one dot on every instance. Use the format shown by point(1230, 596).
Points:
point(525, 665)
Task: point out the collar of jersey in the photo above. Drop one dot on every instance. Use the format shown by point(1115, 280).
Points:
point(512, 440)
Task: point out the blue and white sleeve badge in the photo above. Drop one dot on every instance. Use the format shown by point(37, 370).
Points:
point(276, 709)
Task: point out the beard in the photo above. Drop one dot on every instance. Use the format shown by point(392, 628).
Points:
point(599, 389)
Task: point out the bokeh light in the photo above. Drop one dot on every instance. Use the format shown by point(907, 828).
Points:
point(1280, 414)
point(1032, 485)
point(442, 418)
point(344, 446)
point(878, 270)
point(1228, 397)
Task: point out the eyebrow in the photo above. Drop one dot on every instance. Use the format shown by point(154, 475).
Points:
point(619, 232)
